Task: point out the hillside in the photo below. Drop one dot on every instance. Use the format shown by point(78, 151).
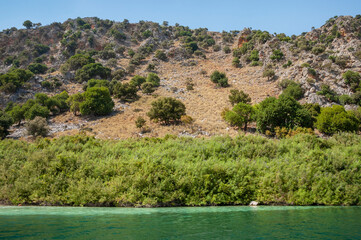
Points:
point(180, 57)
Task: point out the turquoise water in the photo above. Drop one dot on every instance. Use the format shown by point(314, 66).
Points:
point(181, 223)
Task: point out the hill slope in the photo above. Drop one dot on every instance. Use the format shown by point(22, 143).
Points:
point(313, 59)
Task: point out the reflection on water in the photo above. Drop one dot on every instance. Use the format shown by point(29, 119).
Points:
point(181, 223)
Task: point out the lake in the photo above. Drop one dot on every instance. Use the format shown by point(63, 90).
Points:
point(262, 222)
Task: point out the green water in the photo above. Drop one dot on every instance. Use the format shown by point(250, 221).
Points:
point(181, 223)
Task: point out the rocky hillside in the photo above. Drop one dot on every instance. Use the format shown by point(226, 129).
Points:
point(257, 62)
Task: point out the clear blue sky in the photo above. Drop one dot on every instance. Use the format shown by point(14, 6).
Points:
point(290, 17)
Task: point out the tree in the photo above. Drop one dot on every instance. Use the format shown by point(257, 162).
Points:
point(17, 114)
point(76, 62)
point(282, 112)
point(166, 110)
point(219, 78)
point(153, 78)
point(37, 127)
point(137, 81)
point(97, 101)
point(5, 123)
point(240, 115)
point(238, 96)
point(28, 24)
point(336, 118)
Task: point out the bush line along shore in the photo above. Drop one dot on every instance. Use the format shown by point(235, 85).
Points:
point(171, 171)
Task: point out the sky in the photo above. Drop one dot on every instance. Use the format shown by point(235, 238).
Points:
point(277, 16)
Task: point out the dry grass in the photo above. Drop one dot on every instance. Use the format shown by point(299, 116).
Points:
point(204, 104)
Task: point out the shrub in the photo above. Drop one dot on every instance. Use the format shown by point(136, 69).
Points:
point(241, 115)
point(282, 112)
point(5, 123)
point(268, 73)
point(74, 102)
point(154, 79)
point(335, 119)
point(36, 110)
point(118, 74)
point(76, 62)
point(166, 110)
point(97, 101)
point(137, 81)
point(328, 93)
point(227, 50)
point(125, 92)
point(38, 68)
point(15, 78)
point(312, 72)
point(286, 65)
point(159, 54)
point(352, 79)
point(294, 90)
point(238, 96)
point(345, 99)
point(16, 113)
point(318, 49)
point(40, 49)
point(277, 55)
point(140, 122)
point(92, 70)
point(217, 48)
point(254, 56)
point(147, 88)
point(219, 78)
point(37, 127)
point(235, 62)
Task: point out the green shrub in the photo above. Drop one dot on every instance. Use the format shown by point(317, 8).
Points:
point(238, 96)
point(352, 79)
point(74, 102)
point(36, 110)
point(140, 122)
point(336, 119)
point(147, 88)
point(268, 73)
point(235, 62)
point(5, 123)
point(294, 90)
point(318, 49)
point(125, 92)
point(166, 110)
point(160, 55)
point(38, 68)
point(40, 49)
point(97, 101)
point(37, 127)
point(217, 48)
point(219, 78)
point(286, 65)
point(154, 79)
point(328, 93)
point(227, 50)
point(92, 70)
point(345, 99)
point(16, 78)
point(76, 62)
point(254, 56)
point(137, 81)
point(277, 55)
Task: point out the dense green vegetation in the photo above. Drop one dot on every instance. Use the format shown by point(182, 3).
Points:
point(80, 170)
